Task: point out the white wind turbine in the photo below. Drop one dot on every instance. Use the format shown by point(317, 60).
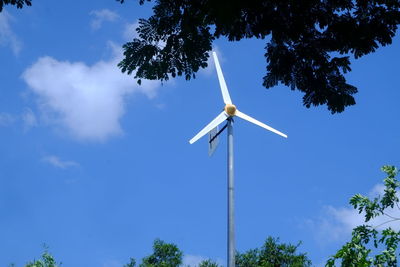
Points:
point(227, 114)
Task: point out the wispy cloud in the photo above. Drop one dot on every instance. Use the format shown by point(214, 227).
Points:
point(112, 263)
point(87, 101)
point(130, 31)
point(192, 260)
point(7, 36)
point(59, 163)
point(195, 260)
point(210, 69)
point(29, 119)
point(337, 223)
point(101, 16)
point(334, 224)
point(6, 119)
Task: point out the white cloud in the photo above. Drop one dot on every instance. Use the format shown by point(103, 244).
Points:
point(87, 101)
point(210, 69)
point(192, 260)
point(101, 16)
point(195, 260)
point(377, 190)
point(337, 223)
point(6, 119)
point(334, 223)
point(130, 31)
point(29, 119)
point(112, 263)
point(58, 163)
point(7, 36)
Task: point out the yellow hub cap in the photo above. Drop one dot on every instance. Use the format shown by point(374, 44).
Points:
point(230, 109)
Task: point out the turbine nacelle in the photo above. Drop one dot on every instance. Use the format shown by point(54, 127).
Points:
point(230, 109)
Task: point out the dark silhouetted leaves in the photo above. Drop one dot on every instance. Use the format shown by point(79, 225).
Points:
point(306, 38)
point(18, 3)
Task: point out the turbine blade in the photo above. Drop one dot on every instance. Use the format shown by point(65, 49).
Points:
point(220, 118)
point(222, 84)
point(259, 123)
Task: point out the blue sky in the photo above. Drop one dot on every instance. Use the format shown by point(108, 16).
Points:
point(97, 167)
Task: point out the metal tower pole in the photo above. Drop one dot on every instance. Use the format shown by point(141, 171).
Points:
point(231, 208)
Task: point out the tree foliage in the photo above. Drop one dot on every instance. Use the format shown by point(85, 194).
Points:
point(18, 3)
point(308, 43)
point(47, 260)
point(272, 254)
point(370, 246)
point(208, 263)
point(164, 255)
point(132, 263)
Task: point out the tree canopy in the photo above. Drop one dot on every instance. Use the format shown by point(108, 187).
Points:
point(272, 254)
point(47, 260)
point(164, 255)
point(308, 44)
point(371, 245)
point(18, 3)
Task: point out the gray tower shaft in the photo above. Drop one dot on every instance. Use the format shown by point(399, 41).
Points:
point(231, 208)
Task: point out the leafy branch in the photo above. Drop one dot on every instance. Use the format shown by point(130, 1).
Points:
point(359, 250)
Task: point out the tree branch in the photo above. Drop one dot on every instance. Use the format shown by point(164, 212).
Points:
point(375, 227)
point(390, 216)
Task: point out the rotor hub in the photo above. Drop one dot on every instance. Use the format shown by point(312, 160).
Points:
point(230, 109)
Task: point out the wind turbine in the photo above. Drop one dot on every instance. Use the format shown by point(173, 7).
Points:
point(227, 114)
